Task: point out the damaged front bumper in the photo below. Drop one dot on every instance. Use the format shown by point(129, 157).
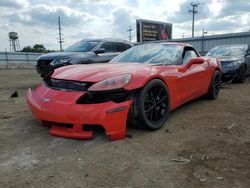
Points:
point(66, 118)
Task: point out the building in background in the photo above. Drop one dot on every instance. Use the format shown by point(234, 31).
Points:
point(205, 43)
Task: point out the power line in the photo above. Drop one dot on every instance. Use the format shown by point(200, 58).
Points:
point(130, 33)
point(60, 34)
point(193, 11)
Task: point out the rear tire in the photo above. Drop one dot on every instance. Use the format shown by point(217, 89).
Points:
point(214, 87)
point(150, 109)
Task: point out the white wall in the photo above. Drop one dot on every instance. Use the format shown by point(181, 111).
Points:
point(18, 57)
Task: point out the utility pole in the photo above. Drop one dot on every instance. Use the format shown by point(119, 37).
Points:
point(193, 11)
point(60, 33)
point(202, 39)
point(130, 33)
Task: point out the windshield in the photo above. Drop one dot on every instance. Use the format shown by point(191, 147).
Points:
point(82, 46)
point(151, 54)
point(227, 50)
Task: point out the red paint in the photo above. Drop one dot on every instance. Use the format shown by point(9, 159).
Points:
point(184, 82)
point(62, 108)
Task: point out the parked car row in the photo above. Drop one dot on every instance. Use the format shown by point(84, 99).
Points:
point(235, 61)
point(234, 58)
point(139, 87)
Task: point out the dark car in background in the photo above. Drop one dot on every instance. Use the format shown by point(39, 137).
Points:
point(83, 52)
point(235, 61)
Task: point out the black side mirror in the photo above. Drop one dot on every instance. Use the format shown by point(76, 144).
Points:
point(99, 51)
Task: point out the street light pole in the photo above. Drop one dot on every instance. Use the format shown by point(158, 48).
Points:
point(60, 33)
point(193, 11)
point(130, 33)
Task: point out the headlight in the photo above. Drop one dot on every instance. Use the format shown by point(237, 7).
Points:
point(60, 62)
point(116, 82)
point(234, 64)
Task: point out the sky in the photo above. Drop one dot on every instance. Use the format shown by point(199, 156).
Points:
point(35, 21)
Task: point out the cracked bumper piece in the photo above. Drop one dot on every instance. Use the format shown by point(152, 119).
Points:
point(67, 119)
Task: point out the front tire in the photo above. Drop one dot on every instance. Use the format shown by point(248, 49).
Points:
point(150, 109)
point(214, 87)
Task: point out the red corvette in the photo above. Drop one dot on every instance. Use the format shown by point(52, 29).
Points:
point(139, 87)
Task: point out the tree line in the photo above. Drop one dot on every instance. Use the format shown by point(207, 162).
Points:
point(39, 48)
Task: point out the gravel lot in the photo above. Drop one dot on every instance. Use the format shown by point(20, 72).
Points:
point(196, 133)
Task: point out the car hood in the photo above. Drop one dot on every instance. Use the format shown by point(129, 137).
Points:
point(98, 72)
point(230, 58)
point(63, 55)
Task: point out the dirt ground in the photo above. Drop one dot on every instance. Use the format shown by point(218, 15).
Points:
point(196, 133)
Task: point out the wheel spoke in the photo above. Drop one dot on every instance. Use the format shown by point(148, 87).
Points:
point(162, 100)
point(159, 93)
point(150, 95)
point(149, 109)
point(155, 110)
point(148, 101)
point(151, 115)
point(160, 110)
point(163, 107)
point(218, 84)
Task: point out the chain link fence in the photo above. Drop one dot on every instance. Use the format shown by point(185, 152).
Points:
point(19, 59)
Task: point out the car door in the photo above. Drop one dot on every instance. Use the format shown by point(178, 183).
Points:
point(194, 79)
point(110, 53)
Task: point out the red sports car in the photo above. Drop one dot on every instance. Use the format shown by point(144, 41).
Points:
point(139, 87)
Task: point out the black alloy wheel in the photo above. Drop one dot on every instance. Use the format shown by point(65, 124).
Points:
point(217, 85)
point(214, 86)
point(156, 104)
point(151, 106)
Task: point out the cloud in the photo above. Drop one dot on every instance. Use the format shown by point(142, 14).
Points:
point(36, 21)
point(81, 35)
point(132, 3)
point(122, 19)
point(47, 15)
point(226, 23)
point(183, 13)
point(14, 4)
point(232, 7)
point(70, 17)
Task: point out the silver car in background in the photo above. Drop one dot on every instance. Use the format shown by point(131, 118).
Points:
point(235, 61)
